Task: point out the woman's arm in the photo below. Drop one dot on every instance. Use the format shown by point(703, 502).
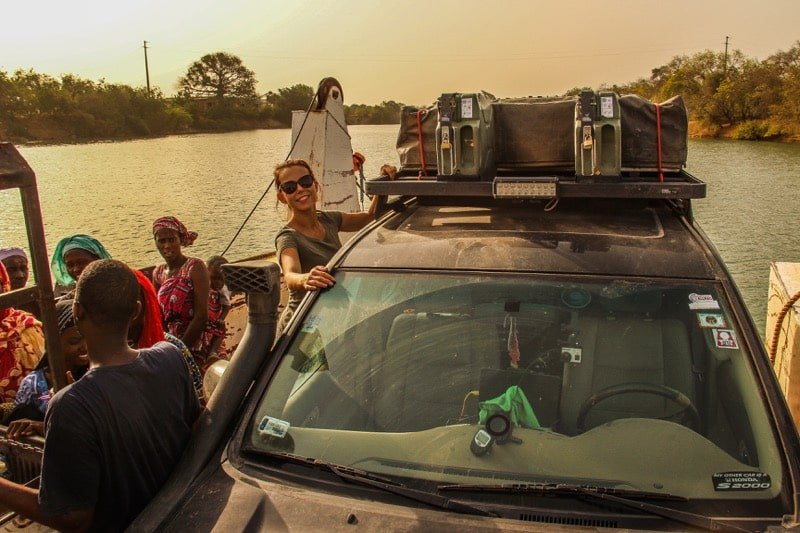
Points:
point(201, 283)
point(224, 313)
point(317, 278)
point(155, 277)
point(356, 221)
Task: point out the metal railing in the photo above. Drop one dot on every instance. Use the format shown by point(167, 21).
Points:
point(15, 173)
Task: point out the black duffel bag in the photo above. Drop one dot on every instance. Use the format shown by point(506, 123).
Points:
point(639, 139)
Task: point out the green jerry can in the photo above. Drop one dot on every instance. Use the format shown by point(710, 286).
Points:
point(598, 145)
point(465, 137)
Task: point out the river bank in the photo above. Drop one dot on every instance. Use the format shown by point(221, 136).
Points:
point(697, 130)
point(45, 134)
point(748, 131)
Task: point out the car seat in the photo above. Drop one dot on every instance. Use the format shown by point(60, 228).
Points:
point(626, 350)
point(432, 363)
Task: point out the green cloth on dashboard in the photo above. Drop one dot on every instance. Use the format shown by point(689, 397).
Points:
point(516, 404)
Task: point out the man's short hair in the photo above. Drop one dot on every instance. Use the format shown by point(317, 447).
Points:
point(108, 291)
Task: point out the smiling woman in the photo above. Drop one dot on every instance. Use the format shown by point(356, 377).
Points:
point(72, 255)
point(183, 287)
point(310, 238)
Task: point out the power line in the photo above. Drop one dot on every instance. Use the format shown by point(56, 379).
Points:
point(467, 57)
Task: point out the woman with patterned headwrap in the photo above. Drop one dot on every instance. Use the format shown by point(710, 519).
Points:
point(72, 255)
point(36, 389)
point(21, 347)
point(183, 286)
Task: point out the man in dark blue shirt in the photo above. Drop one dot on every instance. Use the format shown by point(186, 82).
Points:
point(113, 437)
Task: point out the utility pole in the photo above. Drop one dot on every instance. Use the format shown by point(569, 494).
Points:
point(146, 68)
point(725, 64)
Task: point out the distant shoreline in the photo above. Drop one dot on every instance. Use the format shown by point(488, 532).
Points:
point(70, 141)
point(696, 131)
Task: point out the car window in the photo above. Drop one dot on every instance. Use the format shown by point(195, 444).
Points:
point(642, 385)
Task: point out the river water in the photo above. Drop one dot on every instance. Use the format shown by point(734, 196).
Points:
point(115, 190)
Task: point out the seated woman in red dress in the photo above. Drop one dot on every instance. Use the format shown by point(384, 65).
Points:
point(183, 286)
point(21, 347)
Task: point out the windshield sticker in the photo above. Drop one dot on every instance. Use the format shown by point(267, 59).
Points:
point(702, 301)
point(741, 481)
point(725, 338)
point(711, 320)
point(272, 427)
point(311, 323)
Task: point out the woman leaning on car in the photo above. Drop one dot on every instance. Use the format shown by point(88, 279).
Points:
point(310, 237)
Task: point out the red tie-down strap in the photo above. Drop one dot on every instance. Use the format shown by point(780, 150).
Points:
point(658, 142)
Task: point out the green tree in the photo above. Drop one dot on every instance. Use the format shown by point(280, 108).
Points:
point(383, 113)
point(288, 99)
point(218, 75)
point(784, 79)
point(39, 92)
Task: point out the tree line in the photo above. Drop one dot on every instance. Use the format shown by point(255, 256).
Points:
point(217, 93)
point(730, 95)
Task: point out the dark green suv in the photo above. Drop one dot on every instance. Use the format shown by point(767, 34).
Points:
point(486, 363)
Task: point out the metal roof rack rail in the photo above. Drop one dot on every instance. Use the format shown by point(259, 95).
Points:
point(641, 185)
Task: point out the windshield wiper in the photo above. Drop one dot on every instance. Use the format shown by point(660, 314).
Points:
point(631, 499)
point(355, 475)
point(561, 488)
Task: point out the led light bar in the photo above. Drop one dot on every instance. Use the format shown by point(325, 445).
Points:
point(509, 187)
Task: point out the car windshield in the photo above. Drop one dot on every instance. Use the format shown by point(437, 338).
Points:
point(487, 378)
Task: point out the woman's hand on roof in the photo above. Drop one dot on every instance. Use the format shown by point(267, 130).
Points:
point(318, 278)
point(390, 171)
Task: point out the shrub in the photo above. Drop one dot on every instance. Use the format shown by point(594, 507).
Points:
point(751, 130)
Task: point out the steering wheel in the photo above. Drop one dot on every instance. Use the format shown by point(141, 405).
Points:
point(669, 393)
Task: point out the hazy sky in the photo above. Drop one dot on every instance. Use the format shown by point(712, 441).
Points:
point(404, 50)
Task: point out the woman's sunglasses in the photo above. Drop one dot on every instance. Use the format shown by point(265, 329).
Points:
point(289, 187)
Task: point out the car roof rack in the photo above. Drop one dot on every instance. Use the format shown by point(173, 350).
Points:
point(517, 185)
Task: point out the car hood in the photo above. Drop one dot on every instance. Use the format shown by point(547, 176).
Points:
point(227, 499)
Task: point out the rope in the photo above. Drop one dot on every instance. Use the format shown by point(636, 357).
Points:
point(303, 125)
point(360, 184)
point(339, 124)
point(248, 217)
point(424, 171)
point(773, 350)
point(658, 142)
point(272, 181)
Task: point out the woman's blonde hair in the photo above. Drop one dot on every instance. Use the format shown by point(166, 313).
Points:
point(291, 163)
